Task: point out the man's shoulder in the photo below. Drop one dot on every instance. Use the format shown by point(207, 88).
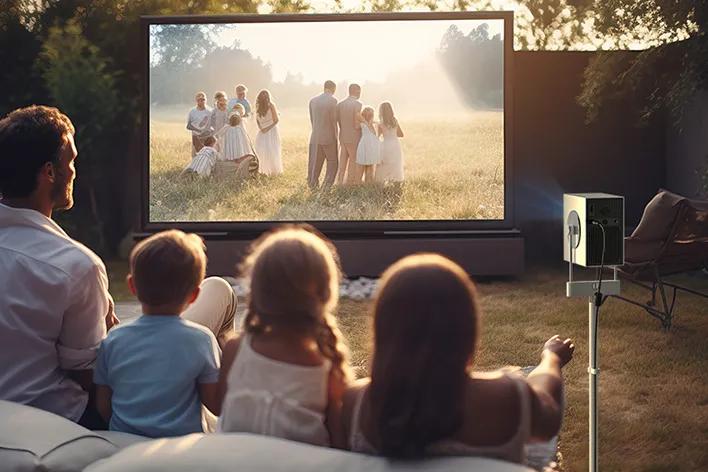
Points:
point(61, 252)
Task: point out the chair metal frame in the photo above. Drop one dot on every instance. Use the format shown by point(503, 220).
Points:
point(664, 312)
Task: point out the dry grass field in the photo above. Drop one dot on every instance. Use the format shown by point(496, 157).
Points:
point(653, 395)
point(453, 170)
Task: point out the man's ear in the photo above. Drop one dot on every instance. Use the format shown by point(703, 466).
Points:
point(47, 172)
point(131, 284)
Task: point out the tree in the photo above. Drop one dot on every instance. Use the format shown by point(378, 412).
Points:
point(85, 56)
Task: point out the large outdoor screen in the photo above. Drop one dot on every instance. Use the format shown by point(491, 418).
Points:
point(359, 118)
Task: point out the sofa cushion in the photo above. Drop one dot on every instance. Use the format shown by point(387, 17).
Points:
point(247, 452)
point(36, 440)
point(658, 217)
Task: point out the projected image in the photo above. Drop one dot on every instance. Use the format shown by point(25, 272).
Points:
point(335, 121)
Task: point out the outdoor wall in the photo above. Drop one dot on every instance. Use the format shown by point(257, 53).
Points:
point(687, 149)
point(556, 151)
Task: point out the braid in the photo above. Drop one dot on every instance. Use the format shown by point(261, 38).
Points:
point(330, 342)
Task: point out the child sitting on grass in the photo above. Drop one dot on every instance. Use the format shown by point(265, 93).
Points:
point(203, 162)
point(285, 375)
point(153, 375)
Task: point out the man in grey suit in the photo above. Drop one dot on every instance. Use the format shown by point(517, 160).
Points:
point(349, 136)
point(323, 140)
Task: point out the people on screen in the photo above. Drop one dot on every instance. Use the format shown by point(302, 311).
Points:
point(335, 138)
point(198, 122)
point(268, 148)
point(368, 152)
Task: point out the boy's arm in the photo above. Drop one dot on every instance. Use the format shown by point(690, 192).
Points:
point(208, 395)
point(209, 391)
point(103, 401)
point(227, 359)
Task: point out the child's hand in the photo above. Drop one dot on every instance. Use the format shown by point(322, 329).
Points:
point(563, 349)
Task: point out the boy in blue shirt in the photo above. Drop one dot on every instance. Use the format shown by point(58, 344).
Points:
point(153, 375)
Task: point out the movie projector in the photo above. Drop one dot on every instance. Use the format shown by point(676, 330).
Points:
point(593, 236)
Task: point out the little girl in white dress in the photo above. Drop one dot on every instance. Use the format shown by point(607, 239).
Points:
point(368, 153)
point(285, 374)
point(268, 137)
point(235, 141)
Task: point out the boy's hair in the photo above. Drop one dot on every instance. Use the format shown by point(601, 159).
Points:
point(329, 85)
point(29, 138)
point(200, 94)
point(294, 277)
point(235, 119)
point(426, 324)
point(209, 141)
point(241, 88)
point(219, 94)
point(167, 267)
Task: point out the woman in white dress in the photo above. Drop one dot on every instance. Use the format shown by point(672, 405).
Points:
point(391, 167)
point(368, 152)
point(235, 143)
point(268, 137)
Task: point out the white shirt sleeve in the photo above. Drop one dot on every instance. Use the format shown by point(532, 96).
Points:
point(84, 324)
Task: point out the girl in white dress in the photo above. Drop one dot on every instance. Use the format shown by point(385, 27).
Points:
point(368, 153)
point(391, 167)
point(235, 142)
point(268, 137)
point(285, 374)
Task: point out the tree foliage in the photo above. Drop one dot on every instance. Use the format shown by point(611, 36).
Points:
point(85, 56)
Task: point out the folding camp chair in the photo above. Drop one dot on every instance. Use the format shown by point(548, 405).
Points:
point(672, 238)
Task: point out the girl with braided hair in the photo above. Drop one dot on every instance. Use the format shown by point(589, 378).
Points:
point(285, 375)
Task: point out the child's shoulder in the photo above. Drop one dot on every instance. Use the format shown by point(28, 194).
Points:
point(197, 331)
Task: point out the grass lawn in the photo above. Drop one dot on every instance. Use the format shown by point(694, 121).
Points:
point(653, 395)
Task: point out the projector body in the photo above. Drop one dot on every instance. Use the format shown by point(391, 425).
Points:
point(583, 238)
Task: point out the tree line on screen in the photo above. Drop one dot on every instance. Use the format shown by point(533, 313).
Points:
point(186, 58)
point(85, 57)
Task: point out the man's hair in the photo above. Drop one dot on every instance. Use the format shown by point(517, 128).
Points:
point(219, 94)
point(330, 85)
point(29, 138)
point(167, 267)
point(241, 88)
point(200, 94)
point(354, 89)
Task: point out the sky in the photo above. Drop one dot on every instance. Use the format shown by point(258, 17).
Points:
point(345, 50)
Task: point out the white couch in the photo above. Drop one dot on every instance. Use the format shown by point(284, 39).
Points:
point(34, 440)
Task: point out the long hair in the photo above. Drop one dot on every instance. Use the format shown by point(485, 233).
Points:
point(425, 335)
point(386, 115)
point(263, 102)
point(294, 278)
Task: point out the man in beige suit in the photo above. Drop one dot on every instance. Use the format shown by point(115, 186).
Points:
point(323, 140)
point(349, 136)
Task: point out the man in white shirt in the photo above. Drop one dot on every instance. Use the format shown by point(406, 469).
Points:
point(198, 121)
point(54, 302)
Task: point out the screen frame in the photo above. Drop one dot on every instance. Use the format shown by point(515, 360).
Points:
point(336, 228)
